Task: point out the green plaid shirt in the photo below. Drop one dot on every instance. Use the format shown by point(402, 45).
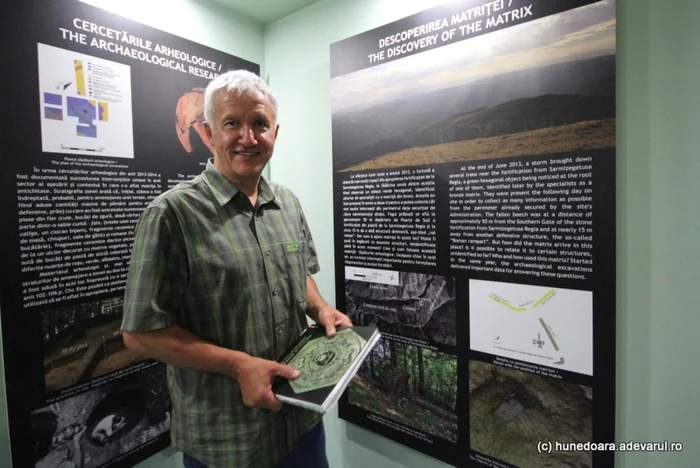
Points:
point(205, 259)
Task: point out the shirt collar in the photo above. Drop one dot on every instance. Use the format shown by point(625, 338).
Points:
point(224, 191)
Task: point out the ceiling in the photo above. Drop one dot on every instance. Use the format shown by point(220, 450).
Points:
point(265, 11)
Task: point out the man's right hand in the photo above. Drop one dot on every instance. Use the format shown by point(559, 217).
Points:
point(255, 377)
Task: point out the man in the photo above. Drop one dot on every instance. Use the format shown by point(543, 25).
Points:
point(219, 287)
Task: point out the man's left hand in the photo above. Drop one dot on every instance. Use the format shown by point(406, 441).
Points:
point(330, 318)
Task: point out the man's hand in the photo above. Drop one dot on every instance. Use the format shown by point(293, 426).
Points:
point(255, 377)
point(330, 318)
point(180, 347)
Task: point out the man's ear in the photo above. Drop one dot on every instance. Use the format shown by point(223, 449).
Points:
point(207, 130)
point(277, 130)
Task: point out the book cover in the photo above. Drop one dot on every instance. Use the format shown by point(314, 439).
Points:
point(327, 365)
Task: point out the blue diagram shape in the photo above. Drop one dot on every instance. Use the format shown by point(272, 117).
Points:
point(86, 114)
point(53, 99)
point(87, 131)
point(82, 109)
point(53, 113)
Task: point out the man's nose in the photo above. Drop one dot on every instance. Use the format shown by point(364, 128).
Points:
point(247, 136)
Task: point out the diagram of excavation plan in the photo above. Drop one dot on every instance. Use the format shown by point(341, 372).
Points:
point(541, 325)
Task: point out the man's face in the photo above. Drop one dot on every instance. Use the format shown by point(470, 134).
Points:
point(243, 135)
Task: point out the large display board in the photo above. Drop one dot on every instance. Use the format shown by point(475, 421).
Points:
point(474, 202)
point(101, 115)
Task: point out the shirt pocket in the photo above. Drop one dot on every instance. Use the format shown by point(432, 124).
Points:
point(292, 265)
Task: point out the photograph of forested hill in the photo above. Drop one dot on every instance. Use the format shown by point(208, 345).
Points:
point(412, 385)
point(553, 92)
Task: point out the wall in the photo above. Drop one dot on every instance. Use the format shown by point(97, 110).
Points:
point(674, 199)
point(657, 203)
point(657, 207)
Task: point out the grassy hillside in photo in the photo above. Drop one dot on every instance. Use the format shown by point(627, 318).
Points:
point(580, 136)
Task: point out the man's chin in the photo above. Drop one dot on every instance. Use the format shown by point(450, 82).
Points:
point(249, 173)
point(248, 163)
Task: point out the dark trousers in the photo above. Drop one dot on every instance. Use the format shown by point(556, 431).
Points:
point(310, 452)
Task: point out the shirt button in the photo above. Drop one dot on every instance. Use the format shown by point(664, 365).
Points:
point(275, 291)
point(280, 330)
point(268, 252)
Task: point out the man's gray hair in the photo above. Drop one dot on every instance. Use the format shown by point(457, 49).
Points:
point(241, 81)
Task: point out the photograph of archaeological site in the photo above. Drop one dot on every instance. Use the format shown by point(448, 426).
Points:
point(511, 410)
point(103, 424)
point(542, 87)
point(419, 306)
point(83, 341)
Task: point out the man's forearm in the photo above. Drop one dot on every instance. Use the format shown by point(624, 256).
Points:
point(314, 301)
point(176, 346)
